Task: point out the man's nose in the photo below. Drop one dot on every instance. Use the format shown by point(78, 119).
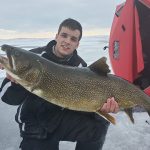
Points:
point(68, 40)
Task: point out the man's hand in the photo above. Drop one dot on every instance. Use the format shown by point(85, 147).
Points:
point(111, 106)
point(10, 78)
point(7, 75)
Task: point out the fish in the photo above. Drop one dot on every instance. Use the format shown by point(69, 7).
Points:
point(81, 89)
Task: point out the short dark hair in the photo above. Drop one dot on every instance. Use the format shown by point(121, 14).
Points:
point(71, 24)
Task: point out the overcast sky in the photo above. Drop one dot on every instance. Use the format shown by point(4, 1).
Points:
point(42, 17)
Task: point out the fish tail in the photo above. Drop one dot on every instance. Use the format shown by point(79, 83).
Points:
point(148, 111)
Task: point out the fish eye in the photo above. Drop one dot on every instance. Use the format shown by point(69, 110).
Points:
point(17, 53)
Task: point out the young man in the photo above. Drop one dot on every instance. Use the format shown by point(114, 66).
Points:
point(42, 124)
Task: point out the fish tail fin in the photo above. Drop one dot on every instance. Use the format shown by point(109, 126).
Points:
point(107, 117)
point(147, 107)
point(129, 113)
point(148, 111)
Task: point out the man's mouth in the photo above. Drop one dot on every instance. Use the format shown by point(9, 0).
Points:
point(65, 47)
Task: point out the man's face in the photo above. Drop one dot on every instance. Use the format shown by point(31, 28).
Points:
point(67, 41)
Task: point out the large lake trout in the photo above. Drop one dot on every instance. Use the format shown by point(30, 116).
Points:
point(81, 89)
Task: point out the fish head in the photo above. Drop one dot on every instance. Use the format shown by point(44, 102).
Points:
point(18, 62)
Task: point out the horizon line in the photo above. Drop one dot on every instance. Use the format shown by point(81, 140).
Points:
point(11, 34)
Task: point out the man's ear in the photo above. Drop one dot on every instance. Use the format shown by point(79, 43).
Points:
point(56, 36)
point(78, 44)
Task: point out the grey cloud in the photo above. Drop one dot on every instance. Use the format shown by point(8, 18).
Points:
point(32, 15)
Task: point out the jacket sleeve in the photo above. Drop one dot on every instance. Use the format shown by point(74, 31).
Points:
point(12, 93)
point(81, 62)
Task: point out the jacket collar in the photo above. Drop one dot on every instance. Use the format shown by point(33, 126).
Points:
point(51, 56)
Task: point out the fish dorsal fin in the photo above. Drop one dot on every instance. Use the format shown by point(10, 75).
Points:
point(100, 66)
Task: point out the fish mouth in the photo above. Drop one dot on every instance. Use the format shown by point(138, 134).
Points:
point(6, 61)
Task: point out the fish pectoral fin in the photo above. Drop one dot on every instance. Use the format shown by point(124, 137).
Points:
point(107, 116)
point(32, 88)
point(129, 113)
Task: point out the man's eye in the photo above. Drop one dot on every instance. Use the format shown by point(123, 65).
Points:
point(74, 39)
point(64, 35)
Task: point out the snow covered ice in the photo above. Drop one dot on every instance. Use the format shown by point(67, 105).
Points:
point(122, 136)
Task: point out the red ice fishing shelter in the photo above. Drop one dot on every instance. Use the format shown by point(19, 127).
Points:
point(129, 42)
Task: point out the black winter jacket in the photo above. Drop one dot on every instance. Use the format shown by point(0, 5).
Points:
point(40, 119)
